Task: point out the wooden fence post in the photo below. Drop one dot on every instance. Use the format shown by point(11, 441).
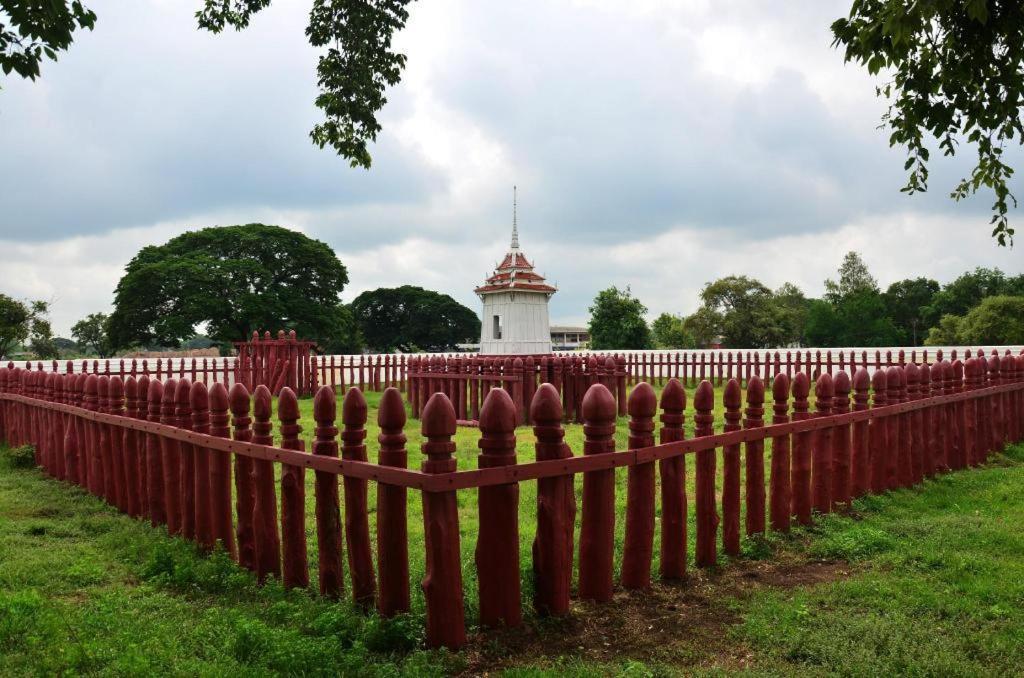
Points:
point(186, 460)
point(268, 543)
point(170, 454)
point(959, 412)
point(154, 455)
point(115, 406)
point(293, 495)
point(913, 376)
point(442, 583)
point(780, 495)
point(821, 470)
point(392, 528)
point(841, 472)
point(639, 543)
point(707, 514)
point(754, 457)
point(357, 526)
point(328, 514)
point(732, 398)
point(141, 443)
point(245, 490)
point(801, 478)
point(132, 450)
point(497, 547)
point(556, 508)
point(597, 530)
point(673, 483)
point(877, 432)
point(220, 470)
point(199, 413)
point(928, 431)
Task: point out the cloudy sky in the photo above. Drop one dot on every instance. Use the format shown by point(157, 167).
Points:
point(656, 144)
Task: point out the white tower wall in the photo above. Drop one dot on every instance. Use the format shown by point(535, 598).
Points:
point(522, 320)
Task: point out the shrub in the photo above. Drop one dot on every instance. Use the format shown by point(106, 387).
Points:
point(23, 456)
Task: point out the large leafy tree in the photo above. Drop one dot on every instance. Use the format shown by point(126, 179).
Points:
point(954, 74)
point(410, 318)
point(91, 332)
point(750, 316)
point(669, 332)
point(967, 291)
point(617, 321)
point(908, 302)
point(854, 277)
point(356, 65)
point(25, 322)
point(232, 280)
point(996, 320)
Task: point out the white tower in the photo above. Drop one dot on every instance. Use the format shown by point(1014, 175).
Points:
point(515, 318)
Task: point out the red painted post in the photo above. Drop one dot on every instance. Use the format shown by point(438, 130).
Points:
point(91, 403)
point(754, 456)
point(947, 423)
point(154, 456)
point(293, 495)
point(392, 528)
point(878, 432)
point(597, 530)
point(357, 528)
point(995, 404)
point(131, 450)
point(141, 444)
point(268, 543)
point(118, 477)
point(328, 515)
point(673, 483)
point(893, 379)
point(517, 390)
point(984, 412)
point(913, 376)
point(780, 496)
point(72, 450)
point(959, 413)
point(245, 490)
point(219, 469)
point(199, 420)
point(639, 545)
point(707, 514)
point(556, 509)
point(497, 549)
point(170, 454)
point(841, 457)
point(928, 430)
point(821, 471)
point(442, 583)
point(732, 398)
point(620, 384)
point(186, 461)
point(801, 478)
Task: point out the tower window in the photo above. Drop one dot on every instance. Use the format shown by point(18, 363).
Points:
point(496, 331)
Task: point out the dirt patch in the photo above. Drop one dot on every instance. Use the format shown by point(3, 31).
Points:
point(682, 624)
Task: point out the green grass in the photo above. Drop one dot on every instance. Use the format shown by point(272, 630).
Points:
point(938, 587)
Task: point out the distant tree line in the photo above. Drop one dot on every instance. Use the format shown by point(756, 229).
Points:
point(983, 306)
point(217, 285)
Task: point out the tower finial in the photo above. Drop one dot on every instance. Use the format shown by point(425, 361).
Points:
point(515, 227)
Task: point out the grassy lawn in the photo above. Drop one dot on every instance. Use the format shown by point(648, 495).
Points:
point(927, 581)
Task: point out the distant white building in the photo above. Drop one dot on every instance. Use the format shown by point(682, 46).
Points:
point(515, 299)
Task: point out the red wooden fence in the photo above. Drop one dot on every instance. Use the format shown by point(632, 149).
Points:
point(175, 469)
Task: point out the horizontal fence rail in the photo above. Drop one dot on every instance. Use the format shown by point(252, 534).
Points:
point(202, 461)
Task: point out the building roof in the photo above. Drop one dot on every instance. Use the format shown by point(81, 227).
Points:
point(569, 329)
point(515, 272)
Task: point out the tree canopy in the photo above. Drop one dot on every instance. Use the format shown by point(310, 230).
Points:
point(410, 318)
point(669, 331)
point(617, 321)
point(995, 320)
point(954, 74)
point(232, 280)
point(25, 322)
point(91, 332)
point(355, 67)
